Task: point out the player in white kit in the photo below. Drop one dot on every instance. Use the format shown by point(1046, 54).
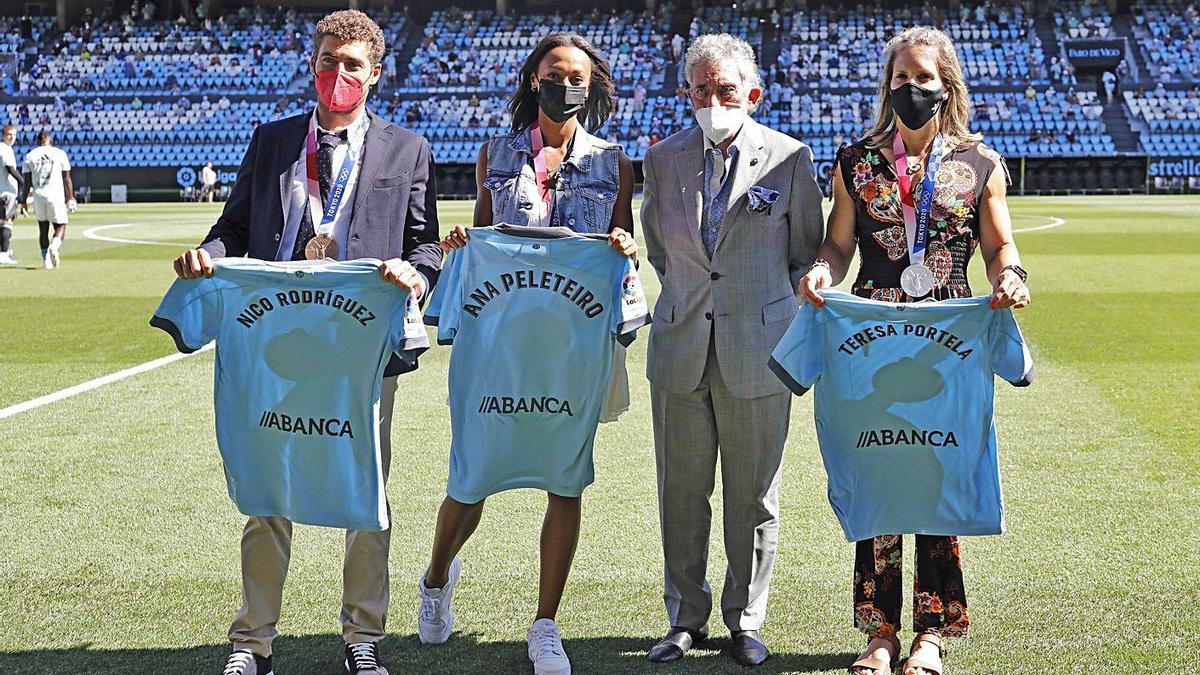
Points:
point(10, 187)
point(48, 173)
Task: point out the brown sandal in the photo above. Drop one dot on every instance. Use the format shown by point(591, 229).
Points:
point(930, 667)
point(877, 666)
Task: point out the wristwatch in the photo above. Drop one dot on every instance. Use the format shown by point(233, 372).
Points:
point(1018, 270)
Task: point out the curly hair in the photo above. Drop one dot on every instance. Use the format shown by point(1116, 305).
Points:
point(351, 25)
point(723, 48)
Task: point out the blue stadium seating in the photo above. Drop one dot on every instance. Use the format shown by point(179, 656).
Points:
point(125, 92)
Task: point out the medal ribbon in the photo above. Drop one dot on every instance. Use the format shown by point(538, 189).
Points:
point(916, 220)
point(539, 163)
point(336, 191)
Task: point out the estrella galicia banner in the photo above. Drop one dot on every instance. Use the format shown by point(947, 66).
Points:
point(1096, 53)
point(1173, 167)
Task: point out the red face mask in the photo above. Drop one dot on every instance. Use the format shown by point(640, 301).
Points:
point(338, 91)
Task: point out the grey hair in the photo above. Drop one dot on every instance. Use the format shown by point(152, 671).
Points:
point(720, 48)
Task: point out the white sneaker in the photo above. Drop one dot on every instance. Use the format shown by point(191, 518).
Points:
point(435, 620)
point(7, 259)
point(47, 262)
point(55, 244)
point(546, 649)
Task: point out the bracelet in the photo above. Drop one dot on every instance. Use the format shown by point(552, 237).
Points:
point(820, 262)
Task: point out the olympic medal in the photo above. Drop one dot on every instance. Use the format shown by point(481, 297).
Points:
point(323, 246)
point(917, 281)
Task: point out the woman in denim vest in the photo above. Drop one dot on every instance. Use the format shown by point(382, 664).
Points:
point(548, 172)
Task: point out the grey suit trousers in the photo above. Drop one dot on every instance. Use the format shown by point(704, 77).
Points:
point(690, 431)
point(267, 550)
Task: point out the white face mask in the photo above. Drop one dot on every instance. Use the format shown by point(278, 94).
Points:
point(721, 122)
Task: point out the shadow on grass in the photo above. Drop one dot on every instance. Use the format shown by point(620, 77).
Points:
point(464, 654)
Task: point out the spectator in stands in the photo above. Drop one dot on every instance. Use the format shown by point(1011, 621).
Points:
point(923, 108)
point(732, 214)
point(549, 171)
point(1109, 80)
point(391, 181)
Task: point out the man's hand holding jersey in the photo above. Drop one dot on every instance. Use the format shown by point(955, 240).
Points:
point(404, 275)
point(194, 264)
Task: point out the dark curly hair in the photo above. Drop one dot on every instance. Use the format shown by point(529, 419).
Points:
point(354, 26)
point(602, 93)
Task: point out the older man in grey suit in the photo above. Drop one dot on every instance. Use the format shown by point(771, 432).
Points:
point(732, 216)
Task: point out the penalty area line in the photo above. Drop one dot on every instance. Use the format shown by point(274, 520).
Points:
point(94, 233)
point(95, 384)
point(1054, 222)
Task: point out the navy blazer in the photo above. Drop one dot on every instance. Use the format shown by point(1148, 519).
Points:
point(395, 200)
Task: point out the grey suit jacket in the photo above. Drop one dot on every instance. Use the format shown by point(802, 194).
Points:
point(745, 297)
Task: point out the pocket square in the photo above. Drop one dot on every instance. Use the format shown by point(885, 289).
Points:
point(760, 199)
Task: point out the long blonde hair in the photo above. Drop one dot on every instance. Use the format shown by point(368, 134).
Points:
point(952, 116)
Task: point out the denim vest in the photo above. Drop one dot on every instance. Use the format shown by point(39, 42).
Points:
point(587, 183)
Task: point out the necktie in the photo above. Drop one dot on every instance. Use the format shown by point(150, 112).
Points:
point(326, 144)
point(715, 200)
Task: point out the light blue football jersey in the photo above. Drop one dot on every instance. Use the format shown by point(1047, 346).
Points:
point(904, 396)
point(533, 314)
point(301, 351)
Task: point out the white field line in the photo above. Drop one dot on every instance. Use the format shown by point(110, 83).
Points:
point(94, 233)
point(1054, 222)
point(95, 384)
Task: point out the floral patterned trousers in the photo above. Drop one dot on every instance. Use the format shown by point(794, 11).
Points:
point(939, 601)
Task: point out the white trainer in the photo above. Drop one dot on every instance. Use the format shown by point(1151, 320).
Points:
point(546, 649)
point(47, 262)
point(55, 244)
point(7, 259)
point(435, 620)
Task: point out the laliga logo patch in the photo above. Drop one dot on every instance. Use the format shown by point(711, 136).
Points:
point(412, 312)
point(630, 287)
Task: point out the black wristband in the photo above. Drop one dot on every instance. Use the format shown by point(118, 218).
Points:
point(1018, 270)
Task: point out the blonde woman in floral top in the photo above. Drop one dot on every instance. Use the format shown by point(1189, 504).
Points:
point(923, 99)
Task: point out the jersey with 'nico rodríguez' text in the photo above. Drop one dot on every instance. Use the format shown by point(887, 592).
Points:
point(301, 352)
point(904, 409)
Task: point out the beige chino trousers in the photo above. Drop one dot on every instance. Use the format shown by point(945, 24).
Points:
point(267, 549)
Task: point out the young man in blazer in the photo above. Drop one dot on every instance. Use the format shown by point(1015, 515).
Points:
point(388, 211)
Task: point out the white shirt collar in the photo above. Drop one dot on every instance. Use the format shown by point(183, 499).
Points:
point(357, 131)
point(737, 142)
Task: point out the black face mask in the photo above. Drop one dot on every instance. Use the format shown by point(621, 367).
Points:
point(560, 102)
point(916, 106)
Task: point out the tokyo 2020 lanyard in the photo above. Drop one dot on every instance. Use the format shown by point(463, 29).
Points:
point(917, 279)
point(322, 245)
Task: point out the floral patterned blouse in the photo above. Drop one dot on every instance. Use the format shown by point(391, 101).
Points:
point(879, 221)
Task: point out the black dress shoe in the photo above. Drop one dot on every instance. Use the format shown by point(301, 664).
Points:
point(675, 644)
point(748, 648)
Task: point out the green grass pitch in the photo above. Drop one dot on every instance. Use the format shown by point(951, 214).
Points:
point(120, 548)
